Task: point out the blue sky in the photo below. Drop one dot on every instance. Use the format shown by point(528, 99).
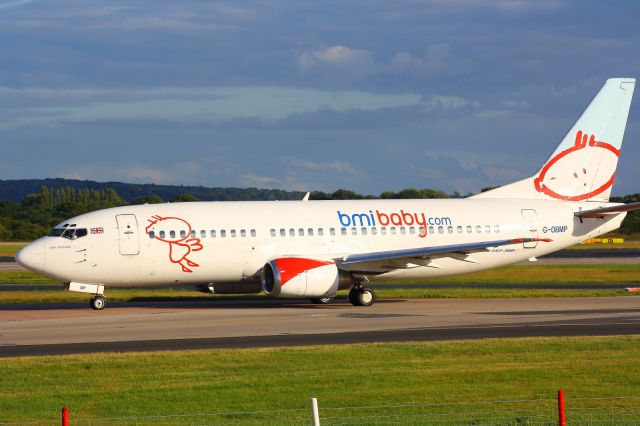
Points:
point(368, 95)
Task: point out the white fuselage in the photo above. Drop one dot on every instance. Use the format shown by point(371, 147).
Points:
point(223, 242)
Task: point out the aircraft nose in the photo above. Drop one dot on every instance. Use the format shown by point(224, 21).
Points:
point(32, 256)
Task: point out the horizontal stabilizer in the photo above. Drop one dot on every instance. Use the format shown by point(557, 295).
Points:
point(423, 252)
point(602, 212)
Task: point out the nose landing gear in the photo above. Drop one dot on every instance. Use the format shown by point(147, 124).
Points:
point(98, 302)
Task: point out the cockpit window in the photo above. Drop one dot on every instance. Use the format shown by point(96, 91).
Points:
point(68, 233)
point(56, 232)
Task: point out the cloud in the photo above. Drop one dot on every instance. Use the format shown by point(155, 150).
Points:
point(338, 59)
point(4, 5)
point(252, 179)
point(187, 105)
point(339, 166)
point(135, 172)
point(437, 59)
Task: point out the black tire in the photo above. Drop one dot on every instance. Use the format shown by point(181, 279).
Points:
point(322, 300)
point(353, 296)
point(98, 303)
point(363, 296)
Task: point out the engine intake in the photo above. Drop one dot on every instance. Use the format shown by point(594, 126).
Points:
point(294, 277)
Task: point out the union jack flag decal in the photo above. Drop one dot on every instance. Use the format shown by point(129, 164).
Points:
point(99, 230)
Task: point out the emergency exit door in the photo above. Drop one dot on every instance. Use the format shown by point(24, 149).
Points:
point(530, 219)
point(128, 238)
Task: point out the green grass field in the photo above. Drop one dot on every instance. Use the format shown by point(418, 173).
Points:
point(10, 249)
point(215, 381)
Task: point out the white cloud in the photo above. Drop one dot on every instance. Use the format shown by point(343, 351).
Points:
point(205, 104)
point(346, 61)
point(437, 60)
point(339, 166)
point(252, 179)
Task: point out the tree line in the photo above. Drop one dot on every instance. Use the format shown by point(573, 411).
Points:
point(37, 213)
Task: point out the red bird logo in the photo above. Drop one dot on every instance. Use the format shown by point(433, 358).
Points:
point(180, 245)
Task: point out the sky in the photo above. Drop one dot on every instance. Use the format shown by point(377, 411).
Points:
point(368, 95)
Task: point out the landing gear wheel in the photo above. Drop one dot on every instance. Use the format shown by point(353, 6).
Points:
point(97, 303)
point(362, 296)
point(322, 300)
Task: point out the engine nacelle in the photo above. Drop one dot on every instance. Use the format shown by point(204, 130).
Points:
point(295, 277)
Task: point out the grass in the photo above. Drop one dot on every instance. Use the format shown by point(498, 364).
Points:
point(465, 286)
point(216, 381)
point(24, 277)
point(631, 244)
point(10, 249)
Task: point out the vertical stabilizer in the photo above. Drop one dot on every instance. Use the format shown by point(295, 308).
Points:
point(583, 166)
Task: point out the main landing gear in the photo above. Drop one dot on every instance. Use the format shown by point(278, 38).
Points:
point(362, 296)
point(98, 302)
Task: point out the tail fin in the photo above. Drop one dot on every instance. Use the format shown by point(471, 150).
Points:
point(583, 166)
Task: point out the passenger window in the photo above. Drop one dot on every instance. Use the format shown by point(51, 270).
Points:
point(243, 233)
point(332, 231)
point(193, 233)
point(273, 232)
point(450, 229)
point(440, 229)
point(478, 229)
point(487, 229)
point(392, 230)
point(459, 229)
point(412, 230)
point(223, 233)
point(300, 232)
point(292, 232)
point(363, 230)
point(402, 230)
point(383, 231)
point(232, 233)
point(283, 232)
point(496, 228)
point(172, 234)
point(343, 231)
point(354, 231)
point(321, 232)
point(203, 234)
point(374, 231)
point(183, 233)
point(310, 232)
point(212, 233)
point(253, 232)
point(431, 230)
point(152, 235)
point(162, 234)
point(469, 229)
point(421, 230)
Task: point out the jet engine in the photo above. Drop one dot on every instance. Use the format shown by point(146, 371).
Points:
point(294, 277)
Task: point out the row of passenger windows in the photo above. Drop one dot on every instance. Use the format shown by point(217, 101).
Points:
point(203, 234)
point(392, 230)
point(301, 232)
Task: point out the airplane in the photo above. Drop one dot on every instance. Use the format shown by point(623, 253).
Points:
point(312, 249)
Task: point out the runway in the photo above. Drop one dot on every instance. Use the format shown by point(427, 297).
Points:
point(74, 328)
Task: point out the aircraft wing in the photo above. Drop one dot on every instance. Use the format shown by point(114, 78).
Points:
point(424, 256)
point(604, 211)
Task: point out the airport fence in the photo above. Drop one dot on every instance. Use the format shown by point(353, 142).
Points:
point(589, 411)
